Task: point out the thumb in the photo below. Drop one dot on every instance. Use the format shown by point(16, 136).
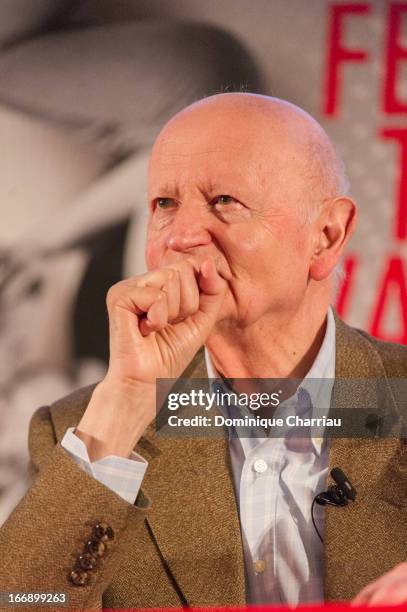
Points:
point(209, 280)
point(212, 292)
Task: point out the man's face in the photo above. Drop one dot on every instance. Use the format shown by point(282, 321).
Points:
point(221, 189)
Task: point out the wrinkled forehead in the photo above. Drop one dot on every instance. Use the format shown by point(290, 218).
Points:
point(220, 150)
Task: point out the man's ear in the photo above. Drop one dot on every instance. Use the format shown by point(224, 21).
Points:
point(337, 224)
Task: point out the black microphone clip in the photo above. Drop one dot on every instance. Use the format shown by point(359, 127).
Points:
point(338, 494)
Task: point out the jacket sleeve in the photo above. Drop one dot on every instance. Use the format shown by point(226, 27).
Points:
point(65, 534)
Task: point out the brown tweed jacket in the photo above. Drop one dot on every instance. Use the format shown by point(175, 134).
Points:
point(180, 543)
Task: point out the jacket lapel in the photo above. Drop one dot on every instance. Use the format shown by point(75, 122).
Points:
point(193, 516)
point(353, 534)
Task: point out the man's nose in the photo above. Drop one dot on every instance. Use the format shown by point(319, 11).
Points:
point(189, 229)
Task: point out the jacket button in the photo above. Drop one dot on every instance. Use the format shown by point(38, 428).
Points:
point(96, 548)
point(103, 532)
point(79, 577)
point(86, 561)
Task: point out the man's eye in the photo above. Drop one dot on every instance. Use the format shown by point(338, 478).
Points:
point(224, 199)
point(229, 209)
point(164, 203)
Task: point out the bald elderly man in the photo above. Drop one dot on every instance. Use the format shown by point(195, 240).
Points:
point(248, 219)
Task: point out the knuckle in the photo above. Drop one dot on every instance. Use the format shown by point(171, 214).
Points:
point(191, 308)
point(171, 275)
point(160, 295)
point(118, 290)
point(189, 270)
point(113, 293)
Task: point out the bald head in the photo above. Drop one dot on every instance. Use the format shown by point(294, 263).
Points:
point(282, 137)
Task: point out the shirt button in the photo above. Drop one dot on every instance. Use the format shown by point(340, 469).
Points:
point(260, 566)
point(260, 466)
point(318, 441)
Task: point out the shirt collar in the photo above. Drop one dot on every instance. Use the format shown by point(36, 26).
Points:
point(316, 380)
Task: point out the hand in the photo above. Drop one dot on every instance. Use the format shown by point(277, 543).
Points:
point(157, 321)
point(389, 589)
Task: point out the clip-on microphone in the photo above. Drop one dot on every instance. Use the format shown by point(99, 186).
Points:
point(338, 494)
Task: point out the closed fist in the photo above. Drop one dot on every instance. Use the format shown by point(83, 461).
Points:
point(159, 320)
